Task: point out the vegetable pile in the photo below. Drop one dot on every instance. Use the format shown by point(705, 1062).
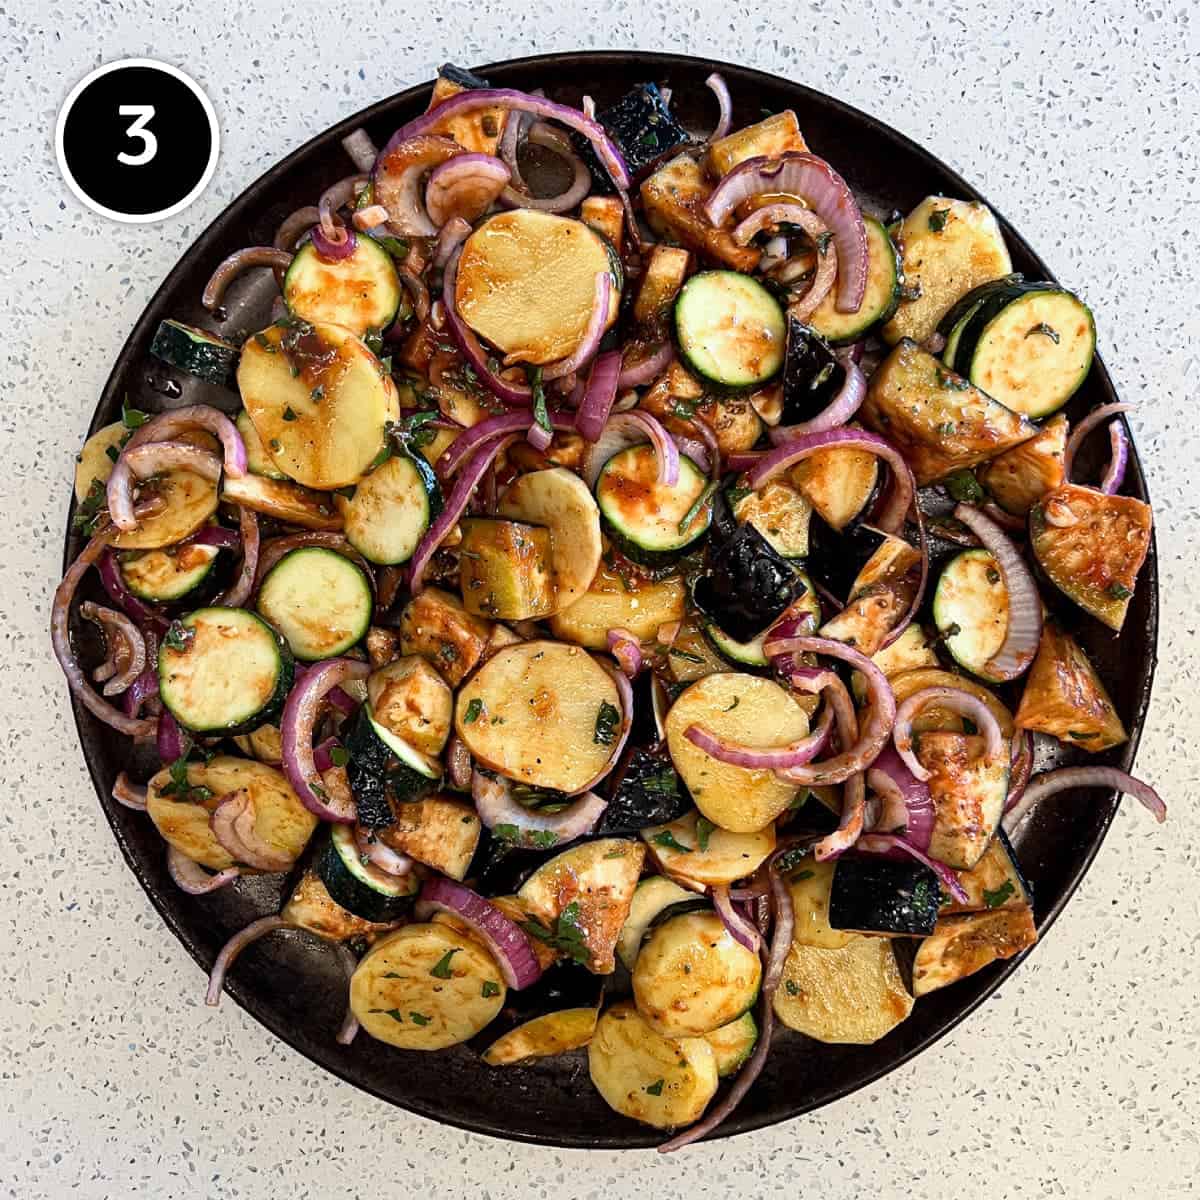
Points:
point(562, 607)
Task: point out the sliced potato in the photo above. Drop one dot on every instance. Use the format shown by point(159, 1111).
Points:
point(733, 420)
point(436, 626)
point(279, 817)
point(319, 399)
point(810, 883)
point(398, 998)
point(691, 977)
point(560, 500)
point(264, 743)
point(659, 1081)
point(190, 501)
point(666, 269)
point(606, 216)
point(616, 601)
point(95, 460)
point(849, 996)
point(692, 655)
point(742, 708)
point(543, 1037)
point(726, 856)
point(527, 283)
point(1020, 477)
point(283, 499)
point(409, 698)
point(947, 247)
point(439, 831)
point(311, 907)
point(960, 946)
point(968, 793)
point(531, 713)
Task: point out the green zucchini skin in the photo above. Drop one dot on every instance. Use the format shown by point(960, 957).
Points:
point(353, 889)
point(380, 524)
point(882, 295)
point(744, 654)
point(185, 584)
point(197, 352)
point(368, 291)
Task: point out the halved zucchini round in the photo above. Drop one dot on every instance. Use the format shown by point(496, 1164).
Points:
point(257, 458)
point(361, 291)
point(972, 599)
point(879, 300)
point(391, 509)
point(162, 576)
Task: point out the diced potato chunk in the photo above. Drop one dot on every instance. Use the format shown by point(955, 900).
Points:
point(409, 698)
point(768, 138)
point(1020, 477)
point(439, 831)
point(605, 215)
point(437, 626)
point(505, 569)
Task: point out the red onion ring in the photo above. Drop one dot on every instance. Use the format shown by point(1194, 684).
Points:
point(464, 186)
point(381, 856)
point(292, 227)
point(504, 938)
point(333, 248)
point(171, 741)
point(517, 194)
point(839, 410)
point(1022, 768)
point(878, 843)
point(508, 98)
point(243, 586)
point(496, 805)
point(1064, 778)
point(599, 394)
point(918, 802)
point(800, 174)
point(417, 289)
point(451, 235)
point(648, 368)
point(627, 650)
point(471, 440)
point(1096, 417)
point(234, 947)
point(189, 876)
point(348, 1030)
point(124, 641)
point(1115, 475)
point(1005, 520)
point(734, 754)
point(893, 808)
point(60, 637)
point(458, 763)
point(794, 450)
point(1024, 632)
point(337, 196)
point(741, 930)
point(631, 429)
point(719, 88)
point(242, 260)
point(538, 437)
point(957, 701)
point(323, 754)
point(129, 795)
point(361, 149)
point(300, 714)
point(140, 462)
point(397, 175)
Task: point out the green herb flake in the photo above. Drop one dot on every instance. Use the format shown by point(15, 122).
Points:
point(1045, 330)
point(490, 988)
point(339, 756)
point(655, 1088)
point(289, 413)
point(823, 242)
point(1118, 591)
point(793, 988)
point(608, 721)
point(911, 291)
point(963, 486)
point(265, 342)
point(684, 409)
point(567, 935)
point(275, 445)
point(441, 969)
point(473, 710)
point(697, 505)
point(686, 655)
point(419, 1018)
point(800, 876)
point(950, 381)
point(132, 418)
point(540, 413)
point(1000, 895)
point(542, 839)
point(179, 637)
point(1078, 735)
point(112, 452)
point(704, 828)
point(735, 495)
point(394, 1013)
point(317, 394)
point(937, 219)
point(91, 508)
point(736, 701)
point(506, 833)
point(396, 247)
point(667, 840)
point(791, 858)
point(619, 852)
point(373, 339)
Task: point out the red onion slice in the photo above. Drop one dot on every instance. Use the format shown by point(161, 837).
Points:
point(1022, 768)
point(361, 149)
point(1065, 778)
point(323, 754)
point(876, 843)
point(1024, 632)
point(348, 1030)
point(627, 650)
point(778, 214)
point(242, 260)
point(509, 98)
point(631, 429)
point(646, 369)
point(335, 244)
point(719, 88)
point(397, 177)
point(508, 944)
point(1095, 418)
point(496, 805)
point(234, 947)
point(517, 195)
point(126, 648)
point(918, 827)
point(191, 877)
point(893, 809)
point(140, 462)
point(1006, 520)
point(296, 728)
point(741, 930)
point(171, 741)
point(768, 758)
point(795, 450)
point(1115, 475)
point(827, 194)
point(539, 438)
point(839, 410)
point(464, 186)
point(243, 586)
point(168, 425)
point(232, 823)
point(452, 235)
point(129, 795)
point(294, 225)
point(599, 394)
point(458, 763)
point(957, 701)
point(489, 430)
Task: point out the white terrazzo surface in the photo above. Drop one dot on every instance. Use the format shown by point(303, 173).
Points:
point(1079, 1079)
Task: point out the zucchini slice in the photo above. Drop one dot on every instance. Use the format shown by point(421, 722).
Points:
point(319, 399)
point(968, 793)
point(197, 352)
point(960, 946)
point(558, 499)
point(541, 713)
point(163, 576)
point(504, 569)
point(391, 509)
point(381, 771)
point(618, 600)
point(543, 1037)
point(995, 881)
point(851, 996)
point(741, 708)
point(906, 682)
point(877, 895)
point(181, 816)
point(652, 523)
point(319, 600)
point(880, 299)
point(730, 329)
point(191, 500)
point(426, 987)
point(663, 1082)
point(1094, 561)
point(1030, 349)
point(741, 654)
point(527, 283)
point(257, 458)
point(223, 670)
point(652, 896)
point(581, 899)
point(1064, 697)
point(361, 291)
point(970, 609)
point(1020, 477)
point(719, 857)
point(438, 830)
point(733, 1043)
point(692, 976)
point(311, 907)
point(360, 889)
point(411, 757)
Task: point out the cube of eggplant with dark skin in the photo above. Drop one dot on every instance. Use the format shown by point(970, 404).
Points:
point(505, 569)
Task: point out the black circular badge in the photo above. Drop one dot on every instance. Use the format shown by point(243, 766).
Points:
point(137, 140)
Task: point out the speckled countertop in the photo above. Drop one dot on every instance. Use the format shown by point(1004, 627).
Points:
point(1078, 1079)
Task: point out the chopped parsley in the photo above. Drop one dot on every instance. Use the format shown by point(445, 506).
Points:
point(619, 852)
point(441, 969)
point(791, 858)
point(339, 756)
point(735, 495)
point(1078, 735)
point(993, 576)
point(265, 342)
point(953, 383)
point(963, 485)
point(655, 1088)
point(473, 711)
point(540, 413)
point(91, 508)
point(650, 139)
point(289, 413)
point(179, 637)
point(275, 444)
point(396, 247)
point(112, 452)
point(793, 988)
point(317, 394)
point(566, 936)
point(701, 500)
point(415, 429)
point(419, 1018)
point(506, 833)
point(686, 655)
point(800, 876)
point(736, 701)
point(685, 409)
point(373, 339)
point(911, 291)
point(1000, 895)
point(132, 418)
point(1045, 330)
point(668, 841)
point(1118, 591)
point(704, 828)
point(937, 219)
point(490, 988)
point(394, 1013)
point(608, 720)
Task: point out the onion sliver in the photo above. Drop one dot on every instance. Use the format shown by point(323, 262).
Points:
point(496, 805)
point(1064, 778)
point(955, 699)
point(191, 877)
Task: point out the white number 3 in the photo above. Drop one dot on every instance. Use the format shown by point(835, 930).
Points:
point(144, 113)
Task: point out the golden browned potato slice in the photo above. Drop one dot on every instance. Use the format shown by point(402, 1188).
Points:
point(617, 601)
point(543, 1037)
point(505, 569)
point(1020, 477)
point(810, 883)
point(311, 907)
point(94, 460)
point(722, 858)
point(559, 500)
point(283, 499)
point(691, 977)
point(1064, 696)
point(947, 247)
point(1096, 558)
point(968, 793)
point(960, 946)
point(527, 283)
point(436, 626)
point(409, 698)
point(742, 708)
point(768, 138)
point(853, 995)
point(440, 831)
point(190, 500)
point(532, 710)
point(399, 999)
point(319, 399)
point(659, 1081)
point(279, 817)
point(939, 421)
